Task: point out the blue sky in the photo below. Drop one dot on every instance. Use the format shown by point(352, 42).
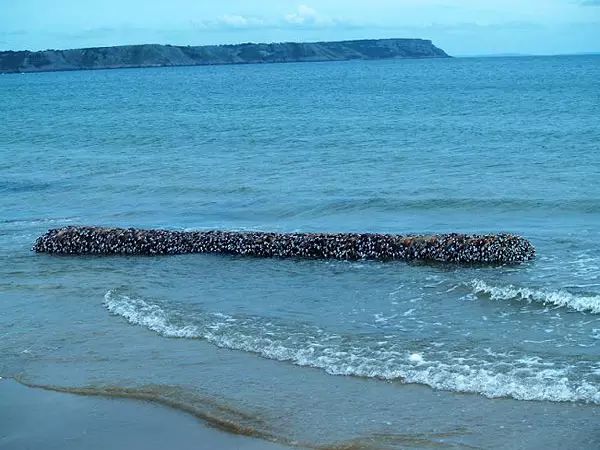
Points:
point(461, 27)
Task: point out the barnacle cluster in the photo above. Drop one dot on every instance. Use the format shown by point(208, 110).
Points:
point(453, 247)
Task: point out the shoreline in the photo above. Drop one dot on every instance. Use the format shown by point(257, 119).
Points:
point(53, 417)
point(265, 63)
point(35, 417)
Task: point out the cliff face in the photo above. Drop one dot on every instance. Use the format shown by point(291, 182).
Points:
point(153, 55)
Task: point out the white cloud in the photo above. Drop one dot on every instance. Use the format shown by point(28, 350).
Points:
point(305, 15)
point(239, 21)
point(234, 20)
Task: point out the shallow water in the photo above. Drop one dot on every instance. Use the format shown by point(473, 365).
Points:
point(431, 354)
point(39, 418)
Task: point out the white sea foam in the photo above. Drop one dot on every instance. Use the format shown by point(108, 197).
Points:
point(559, 298)
point(416, 358)
point(502, 375)
point(138, 312)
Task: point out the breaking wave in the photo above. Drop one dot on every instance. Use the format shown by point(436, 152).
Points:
point(555, 298)
point(498, 375)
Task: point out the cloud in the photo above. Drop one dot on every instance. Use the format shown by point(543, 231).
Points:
point(234, 20)
point(305, 15)
point(302, 15)
point(239, 21)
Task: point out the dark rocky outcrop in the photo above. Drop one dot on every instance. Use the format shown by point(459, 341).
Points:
point(154, 55)
point(494, 249)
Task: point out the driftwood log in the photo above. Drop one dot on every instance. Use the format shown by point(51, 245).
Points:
point(489, 249)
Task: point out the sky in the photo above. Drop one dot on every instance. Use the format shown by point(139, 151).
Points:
point(461, 27)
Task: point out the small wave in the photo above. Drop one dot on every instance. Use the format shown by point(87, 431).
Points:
point(138, 312)
point(379, 203)
point(20, 222)
point(13, 187)
point(304, 345)
point(557, 298)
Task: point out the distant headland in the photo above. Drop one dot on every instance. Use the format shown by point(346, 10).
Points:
point(155, 55)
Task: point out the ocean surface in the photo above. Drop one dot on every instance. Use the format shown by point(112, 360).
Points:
point(375, 355)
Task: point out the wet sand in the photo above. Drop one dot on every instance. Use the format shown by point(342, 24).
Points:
point(34, 418)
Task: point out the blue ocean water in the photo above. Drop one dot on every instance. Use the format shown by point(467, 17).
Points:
point(316, 352)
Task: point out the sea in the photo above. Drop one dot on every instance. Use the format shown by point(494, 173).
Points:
point(314, 353)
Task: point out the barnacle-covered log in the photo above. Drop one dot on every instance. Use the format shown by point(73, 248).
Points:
point(490, 248)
